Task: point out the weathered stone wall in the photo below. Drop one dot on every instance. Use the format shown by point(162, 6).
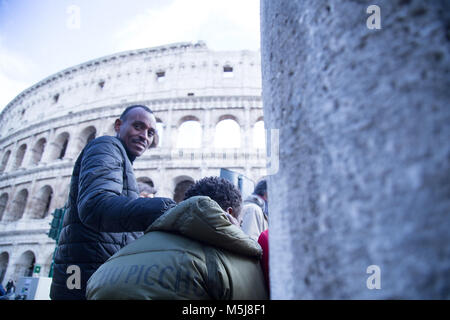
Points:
point(364, 175)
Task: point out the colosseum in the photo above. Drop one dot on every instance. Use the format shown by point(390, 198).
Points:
point(199, 96)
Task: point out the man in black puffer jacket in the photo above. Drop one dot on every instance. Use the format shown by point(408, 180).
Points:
point(104, 211)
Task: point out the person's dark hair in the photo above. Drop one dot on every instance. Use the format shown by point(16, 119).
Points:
point(124, 114)
point(218, 189)
point(144, 187)
point(261, 188)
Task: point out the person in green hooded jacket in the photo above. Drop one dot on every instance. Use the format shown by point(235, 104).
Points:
point(195, 250)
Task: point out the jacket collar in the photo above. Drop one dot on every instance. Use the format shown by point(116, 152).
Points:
point(130, 156)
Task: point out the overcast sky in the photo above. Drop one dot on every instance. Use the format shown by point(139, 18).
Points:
point(41, 37)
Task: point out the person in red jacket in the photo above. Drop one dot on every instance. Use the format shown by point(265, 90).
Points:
point(263, 241)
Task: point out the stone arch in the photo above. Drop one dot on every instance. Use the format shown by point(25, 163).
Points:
point(227, 133)
point(145, 184)
point(3, 203)
point(37, 151)
point(86, 135)
point(59, 146)
point(182, 183)
point(4, 261)
point(91, 135)
point(160, 116)
point(259, 135)
point(20, 155)
point(18, 206)
point(187, 118)
point(189, 133)
point(25, 265)
point(5, 161)
point(146, 180)
point(42, 202)
point(227, 117)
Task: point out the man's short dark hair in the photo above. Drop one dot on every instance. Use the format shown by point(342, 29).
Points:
point(145, 187)
point(218, 189)
point(261, 188)
point(124, 114)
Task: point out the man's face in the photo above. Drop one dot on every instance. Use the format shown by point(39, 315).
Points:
point(137, 131)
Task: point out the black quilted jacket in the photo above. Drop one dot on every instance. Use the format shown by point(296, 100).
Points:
point(104, 214)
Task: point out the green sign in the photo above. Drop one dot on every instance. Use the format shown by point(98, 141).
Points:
point(37, 269)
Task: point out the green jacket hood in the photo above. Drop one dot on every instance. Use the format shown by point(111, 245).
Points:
point(202, 219)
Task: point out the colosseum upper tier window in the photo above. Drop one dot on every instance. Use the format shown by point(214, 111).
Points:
point(160, 75)
point(227, 71)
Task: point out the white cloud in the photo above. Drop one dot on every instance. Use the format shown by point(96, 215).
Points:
point(230, 24)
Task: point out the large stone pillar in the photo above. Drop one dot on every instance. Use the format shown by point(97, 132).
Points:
point(364, 172)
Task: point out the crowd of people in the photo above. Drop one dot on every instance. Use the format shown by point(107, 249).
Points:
point(130, 244)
